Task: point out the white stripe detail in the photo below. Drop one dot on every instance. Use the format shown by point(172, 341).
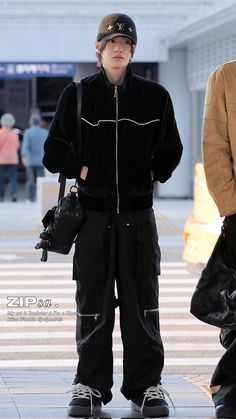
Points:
point(72, 312)
point(57, 300)
point(176, 281)
point(119, 120)
point(68, 312)
point(38, 348)
point(58, 321)
point(30, 291)
point(171, 299)
point(190, 333)
point(173, 264)
point(176, 290)
point(23, 363)
point(174, 272)
point(191, 361)
point(35, 265)
point(69, 272)
point(35, 273)
point(57, 281)
point(69, 265)
point(52, 281)
point(171, 347)
point(193, 334)
point(180, 322)
point(193, 347)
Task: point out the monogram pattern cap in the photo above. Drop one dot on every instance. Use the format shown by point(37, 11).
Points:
point(117, 24)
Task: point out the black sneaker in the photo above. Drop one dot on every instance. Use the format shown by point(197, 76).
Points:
point(85, 401)
point(152, 402)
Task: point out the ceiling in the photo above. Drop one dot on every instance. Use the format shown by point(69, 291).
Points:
point(159, 22)
point(167, 15)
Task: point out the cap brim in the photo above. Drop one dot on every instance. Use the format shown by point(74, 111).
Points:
point(115, 35)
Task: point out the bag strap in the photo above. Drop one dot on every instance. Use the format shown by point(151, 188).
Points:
point(62, 178)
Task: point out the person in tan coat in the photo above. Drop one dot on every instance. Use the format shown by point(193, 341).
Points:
point(219, 158)
point(9, 145)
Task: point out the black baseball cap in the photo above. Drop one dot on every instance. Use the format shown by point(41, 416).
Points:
point(117, 24)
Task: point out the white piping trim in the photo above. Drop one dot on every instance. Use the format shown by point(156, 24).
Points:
point(119, 120)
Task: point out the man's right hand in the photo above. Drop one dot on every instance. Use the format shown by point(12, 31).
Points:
point(84, 172)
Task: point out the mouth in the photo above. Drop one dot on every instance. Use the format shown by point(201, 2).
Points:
point(118, 57)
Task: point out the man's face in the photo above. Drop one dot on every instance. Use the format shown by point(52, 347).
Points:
point(117, 53)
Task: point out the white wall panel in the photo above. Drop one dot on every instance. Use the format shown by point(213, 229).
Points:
point(173, 76)
point(206, 54)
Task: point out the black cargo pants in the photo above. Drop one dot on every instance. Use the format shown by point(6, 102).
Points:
point(122, 248)
point(223, 383)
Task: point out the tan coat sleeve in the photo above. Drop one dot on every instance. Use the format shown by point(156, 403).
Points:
point(216, 143)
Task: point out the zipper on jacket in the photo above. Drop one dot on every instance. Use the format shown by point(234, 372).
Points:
point(117, 174)
point(95, 316)
point(153, 310)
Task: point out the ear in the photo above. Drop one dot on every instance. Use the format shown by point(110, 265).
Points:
point(97, 45)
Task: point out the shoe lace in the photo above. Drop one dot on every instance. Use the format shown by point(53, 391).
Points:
point(155, 392)
point(80, 391)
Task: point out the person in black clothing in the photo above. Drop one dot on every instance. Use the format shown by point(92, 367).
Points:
point(129, 141)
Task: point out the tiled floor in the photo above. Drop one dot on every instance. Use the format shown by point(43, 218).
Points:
point(31, 394)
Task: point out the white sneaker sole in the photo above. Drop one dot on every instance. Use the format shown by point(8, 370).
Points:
point(76, 411)
point(151, 411)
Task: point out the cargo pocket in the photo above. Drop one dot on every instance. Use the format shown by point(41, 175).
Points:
point(148, 250)
point(151, 320)
point(89, 261)
point(86, 324)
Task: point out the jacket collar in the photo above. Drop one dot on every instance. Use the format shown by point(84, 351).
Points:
point(123, 87)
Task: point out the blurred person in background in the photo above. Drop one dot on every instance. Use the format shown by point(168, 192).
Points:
point(32, 154)
point(129, 140)
point(9, 159)
point(219, 158)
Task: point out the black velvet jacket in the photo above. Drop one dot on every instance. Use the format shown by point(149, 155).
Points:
point(129, 139)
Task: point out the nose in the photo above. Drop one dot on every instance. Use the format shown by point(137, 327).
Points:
point(118, 47)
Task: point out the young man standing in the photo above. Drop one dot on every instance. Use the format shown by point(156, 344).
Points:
point(129, 140)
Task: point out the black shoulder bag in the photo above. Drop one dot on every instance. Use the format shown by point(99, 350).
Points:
point(214, 299)
point(63, 221)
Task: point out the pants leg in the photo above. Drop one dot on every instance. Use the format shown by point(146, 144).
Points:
point(30, 183)
point(94, 272)
point(137, 276)
point(223, 383)
point(12, 168)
